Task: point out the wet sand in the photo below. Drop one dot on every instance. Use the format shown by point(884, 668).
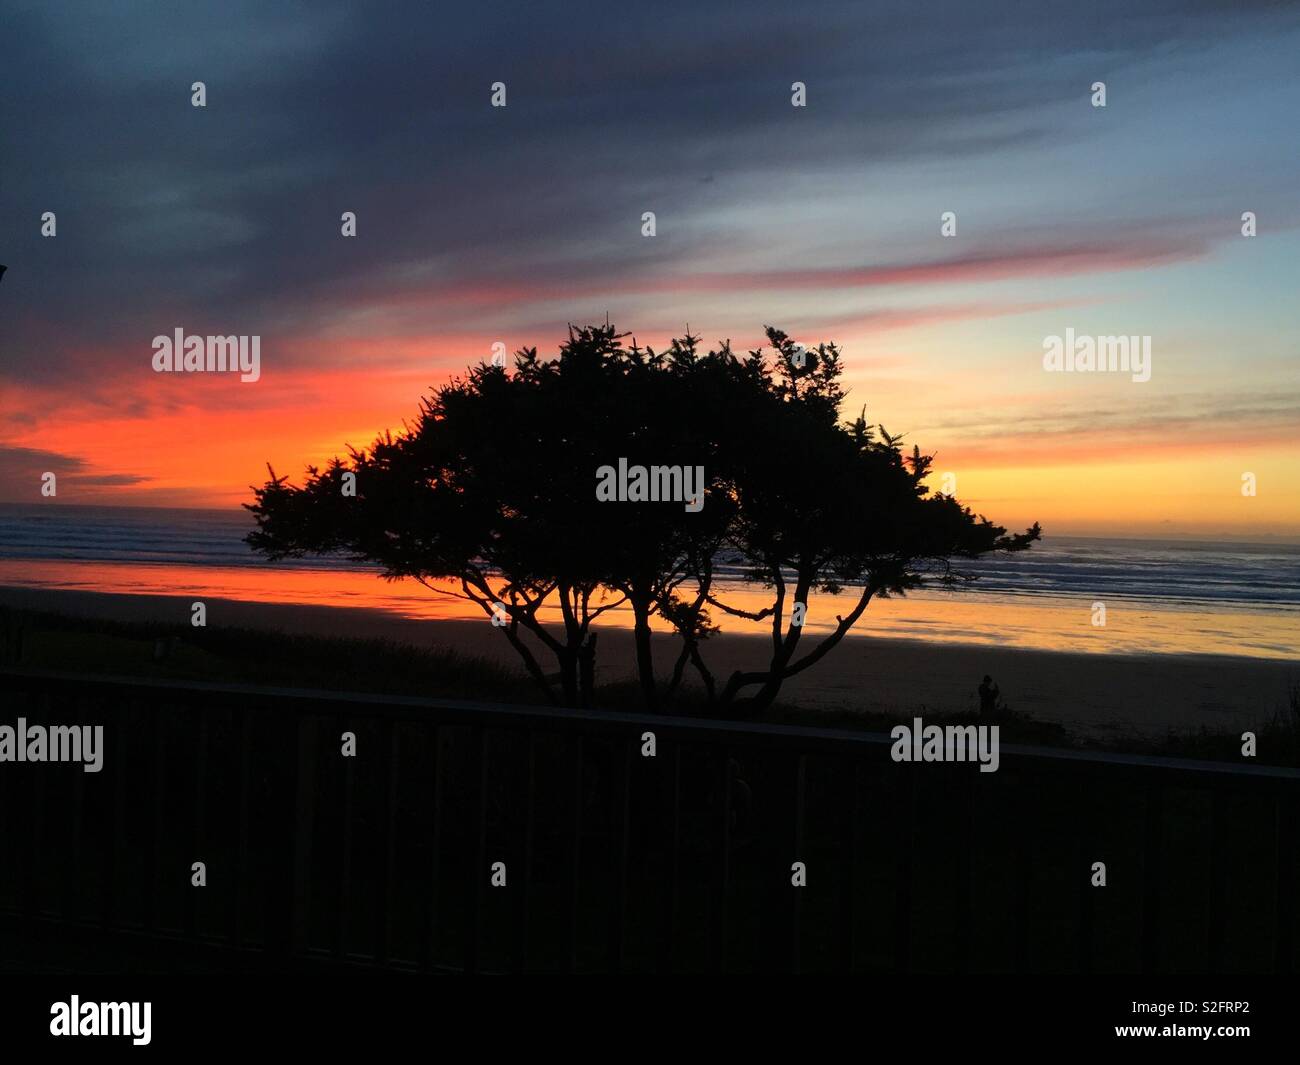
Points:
point(1090, 694)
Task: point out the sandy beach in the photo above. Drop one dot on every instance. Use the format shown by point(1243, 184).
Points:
point(1090, 694)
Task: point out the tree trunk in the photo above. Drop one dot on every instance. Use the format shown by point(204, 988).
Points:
point(569, 678)
point(644, 654)
point(587, 672)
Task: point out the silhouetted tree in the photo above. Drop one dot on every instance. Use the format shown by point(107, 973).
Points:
point(493, 490)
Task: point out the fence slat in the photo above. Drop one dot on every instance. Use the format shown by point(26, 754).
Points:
point(575, 869)
point(1217, 897)
point(796, 901)
point(850, 844)
point(1284, 896)
point(435, 865)
point(153, 872)
point(1084, 856)
point(478, 872)
point(905, 821)
point(198, 784)
point(722, 881)
point(243, 729)
point(672, 862)
point(345, 853)
point(1151, 879)
point(524, 900)
point(618, 907)
point(384, 918)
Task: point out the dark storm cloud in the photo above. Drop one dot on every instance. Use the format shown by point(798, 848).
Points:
point(226, 219)
point(21, 470)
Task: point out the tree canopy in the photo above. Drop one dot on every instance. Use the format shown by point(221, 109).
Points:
point(492, 489)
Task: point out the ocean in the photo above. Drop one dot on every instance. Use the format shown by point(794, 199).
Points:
point(1170, 596)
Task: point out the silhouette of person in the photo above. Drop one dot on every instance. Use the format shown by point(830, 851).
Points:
point(988, 697)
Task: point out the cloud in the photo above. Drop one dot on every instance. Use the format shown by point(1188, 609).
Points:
point(477, 224)
point(226, 219)
point(1055, 433)
point(21, 471)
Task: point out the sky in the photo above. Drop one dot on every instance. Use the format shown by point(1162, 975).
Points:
point(477, 224)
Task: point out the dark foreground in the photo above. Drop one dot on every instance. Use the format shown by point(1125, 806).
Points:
point(464, 837)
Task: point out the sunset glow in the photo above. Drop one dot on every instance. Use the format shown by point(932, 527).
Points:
point(1064, 220)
